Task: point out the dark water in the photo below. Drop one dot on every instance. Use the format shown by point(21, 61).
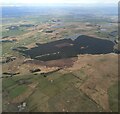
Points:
point(66, 48)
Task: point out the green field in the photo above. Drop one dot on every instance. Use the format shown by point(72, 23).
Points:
point(17, 91)
point(61, 91)
point(113, 97)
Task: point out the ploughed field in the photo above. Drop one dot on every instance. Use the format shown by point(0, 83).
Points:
point(67, 48)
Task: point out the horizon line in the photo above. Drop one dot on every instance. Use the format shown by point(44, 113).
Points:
point(59, 4)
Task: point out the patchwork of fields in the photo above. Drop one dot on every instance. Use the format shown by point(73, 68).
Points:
point(66, 62)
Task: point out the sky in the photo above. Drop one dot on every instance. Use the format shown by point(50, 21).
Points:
point(28, 2)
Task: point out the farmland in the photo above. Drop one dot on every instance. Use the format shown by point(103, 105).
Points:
point(59, 60)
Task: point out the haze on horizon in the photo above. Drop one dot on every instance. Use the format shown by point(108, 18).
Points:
point(47, 2)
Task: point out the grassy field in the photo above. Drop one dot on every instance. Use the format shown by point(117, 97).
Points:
point(8, 82)
point(60, 91)
point(113, 97)
point(17, 91)
point(59, 94)
point(13, 32)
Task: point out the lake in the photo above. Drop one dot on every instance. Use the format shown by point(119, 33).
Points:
point(67, 48)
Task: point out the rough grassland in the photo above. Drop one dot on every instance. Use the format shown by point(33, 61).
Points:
point(113, 97)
